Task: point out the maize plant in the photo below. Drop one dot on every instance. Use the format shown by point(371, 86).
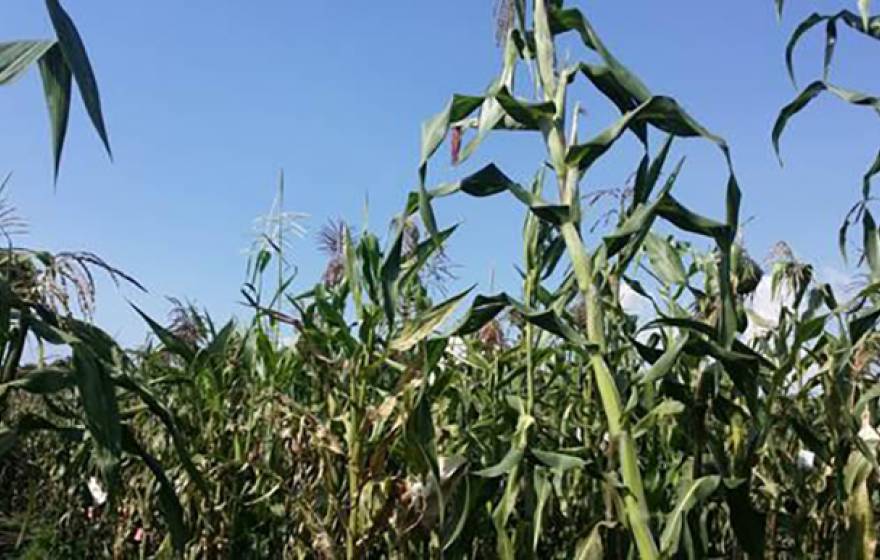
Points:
point(375, 415)
point(80, 396)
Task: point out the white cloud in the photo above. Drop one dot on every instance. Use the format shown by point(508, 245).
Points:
point(766, 306)
point(634, 303)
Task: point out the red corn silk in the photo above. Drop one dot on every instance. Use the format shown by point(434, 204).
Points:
point(456, 143)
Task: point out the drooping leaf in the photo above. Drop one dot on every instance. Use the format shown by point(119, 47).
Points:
point(57, 80)
point(698, 491)
point(40, 382)
point(75, 54)
point(830, 44)
point(591, 548)
point(352, 274)
point(169, 504)
point(99, 402)
point(862, 324)
point(662, 366)
point(543, 489)
point(389, 271)
point(871, 240)
point(665, 259)
point(802, 100)
point(666, 408)
point(810, 22)
point(434, 130)
point(514, 455)
point(418, 330)
point(171, 341)
point(18, 56)
point(559, 462)
point(869, 175)
point(167, 419)
point(748, 523)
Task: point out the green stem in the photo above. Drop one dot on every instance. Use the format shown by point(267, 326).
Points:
point(635, 501)
point(530, 370)
point(353, 466)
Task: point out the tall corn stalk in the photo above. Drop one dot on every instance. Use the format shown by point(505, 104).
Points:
point(533, 40)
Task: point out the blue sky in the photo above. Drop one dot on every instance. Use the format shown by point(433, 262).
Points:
point(206, 102)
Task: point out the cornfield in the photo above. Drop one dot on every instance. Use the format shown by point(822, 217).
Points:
point(401, 421)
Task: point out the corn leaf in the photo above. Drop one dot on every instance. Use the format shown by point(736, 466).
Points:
point(75, 54)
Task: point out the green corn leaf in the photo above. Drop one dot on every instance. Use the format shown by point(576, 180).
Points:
point(867, 396)
point(423, 253)
point(830, 44)
point(802, 100)
point(169, 505)
point(543, 489)
point(869, 175)
point(862, 324)
point(17, 57)
point(514, 455)
point(101, 408)
point(546, 52)
point(28, 423)
point(486, 308)
point(167, 419)
point(666, 408)
point(810, 439)
point(856, 22)
point(529, 115)
point(871, 245)
point(550, 321)
point(389, 271)
point(607, 81)
point(559, 463)
point(644, 186)
point(672, 211)
point(41, 382)
point(807, 95)
point(426, 212)
point(591, 548)
point(482, 311)
point(665, 260)
point(748, 523)
point(57, 80)
point(629, 238)
point(664, 364)
point(865, 12)
point(351, 272)
point(427, 322)
point(572, 19)
point(434, 130)
point(464, 511)
point(172, 342)
point(698, 491)
point(8, 440)
point(491, 114)
point(855, 97)
point(810, 22)
point(487, 181)
point(661, 112)
point(75, 54)
point(490, 181)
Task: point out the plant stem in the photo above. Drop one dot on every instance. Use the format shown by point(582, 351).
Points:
point(635, 502)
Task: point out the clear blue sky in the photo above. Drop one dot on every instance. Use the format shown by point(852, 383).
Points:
point(206, 101)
